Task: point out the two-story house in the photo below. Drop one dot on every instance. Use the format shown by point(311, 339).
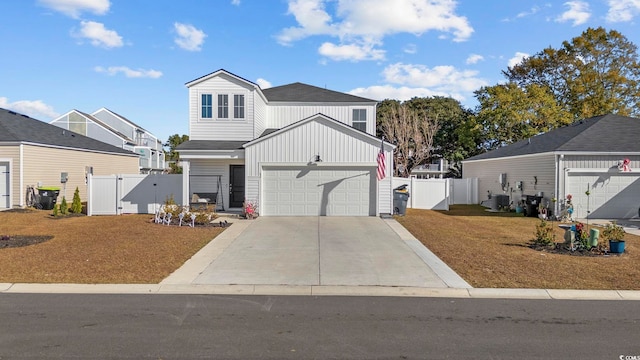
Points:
point(112, 128)
point(294, 150)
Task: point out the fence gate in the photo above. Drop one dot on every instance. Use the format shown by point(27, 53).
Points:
point(131, 193)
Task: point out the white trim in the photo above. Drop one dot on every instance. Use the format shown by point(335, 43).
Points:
point(510, 157)
point(566, 153)
point(212, 154)
point(23, 201)
point(613, 170)
point(10, 161)
point(320, 164)
point(77, 149)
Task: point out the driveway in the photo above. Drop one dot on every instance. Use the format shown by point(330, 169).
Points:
point(317, 251)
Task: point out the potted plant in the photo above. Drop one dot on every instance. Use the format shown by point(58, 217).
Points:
point(614, 233)
point(250, 210)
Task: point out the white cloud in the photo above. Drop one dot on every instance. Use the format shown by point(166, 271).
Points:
point(235, 2)
point(351, 52)
point(474, 59)
point(532, 11)
point(417, 80)
point(33, 108)
point(74, 8)
point(128, 72)
point(365, 23)
point(99, 35)
point(517, 59)
point(264, 84)
point(578, 13)
point(189, 38)
point(623, 10)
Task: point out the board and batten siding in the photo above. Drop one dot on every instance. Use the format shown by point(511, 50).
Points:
point(225, 129)
point(204, 173)
point(259, 115)
point(45, 164)
point(281, 115)
point(300, 144)
point(537, 173)
point(12, 152)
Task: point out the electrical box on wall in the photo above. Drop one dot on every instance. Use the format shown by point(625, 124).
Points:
point(519, 185)
point(64, 177)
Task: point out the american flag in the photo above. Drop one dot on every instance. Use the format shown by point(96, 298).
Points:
point(381, 162)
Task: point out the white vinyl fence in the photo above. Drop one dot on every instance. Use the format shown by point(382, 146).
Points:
point(131, 193)
point(438, 194)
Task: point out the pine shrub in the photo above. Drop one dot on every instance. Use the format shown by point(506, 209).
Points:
point(76, 204)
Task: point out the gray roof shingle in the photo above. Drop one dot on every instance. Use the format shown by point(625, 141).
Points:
point(606, 133)
point(210, 145)
point(16, 127)
point(299, 92)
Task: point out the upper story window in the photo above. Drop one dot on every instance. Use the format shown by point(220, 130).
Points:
point(206, 106)
point(359, 119)
point(238, 106)
point(223, 106)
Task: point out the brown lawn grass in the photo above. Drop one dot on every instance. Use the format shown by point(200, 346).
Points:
point(96, 249)
point(490, 250)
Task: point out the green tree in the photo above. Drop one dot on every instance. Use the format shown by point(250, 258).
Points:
point(64, 207)
point(593, 74)
point(76, 203)
point(172, 155)
point(508, 113)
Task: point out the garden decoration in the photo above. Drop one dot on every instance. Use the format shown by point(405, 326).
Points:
point(623, 165)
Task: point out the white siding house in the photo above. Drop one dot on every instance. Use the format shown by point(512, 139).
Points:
point(584, 156)
point(107, 126)
point(294, 150)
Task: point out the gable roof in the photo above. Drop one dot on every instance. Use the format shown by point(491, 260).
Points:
point(99, 123)
point(299, 92)
point(318, 116)
point(19, 128)
point(600, 134)
point(218, 72)
point(124, 119)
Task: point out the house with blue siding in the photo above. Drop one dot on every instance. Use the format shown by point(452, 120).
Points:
point(292, 150)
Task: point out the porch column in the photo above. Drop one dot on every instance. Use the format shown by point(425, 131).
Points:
point(186, 169)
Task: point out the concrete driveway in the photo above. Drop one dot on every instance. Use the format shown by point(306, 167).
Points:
point(317, 251)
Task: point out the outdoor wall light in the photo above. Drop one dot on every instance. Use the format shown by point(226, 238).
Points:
point(317, 158)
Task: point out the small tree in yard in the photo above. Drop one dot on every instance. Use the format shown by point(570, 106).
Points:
point(76, 204)
point(64, 208)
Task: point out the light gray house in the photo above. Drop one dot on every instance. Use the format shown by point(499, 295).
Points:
point(294, 150)
point(584, 156)
point(112, 128)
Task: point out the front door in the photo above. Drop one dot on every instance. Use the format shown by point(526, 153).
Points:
point(236, 186)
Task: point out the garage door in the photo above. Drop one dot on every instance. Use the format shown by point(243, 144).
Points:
point(318, 190)
point(4, 185)
point(612, 196)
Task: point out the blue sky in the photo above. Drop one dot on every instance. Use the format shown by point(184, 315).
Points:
point(134, 56)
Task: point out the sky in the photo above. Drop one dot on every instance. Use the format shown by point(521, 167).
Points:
point(135, 56)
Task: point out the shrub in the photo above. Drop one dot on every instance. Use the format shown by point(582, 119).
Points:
point(76, 204)
point(55, 210)
point(544, 234)
point(64, 208)
point(613, 232)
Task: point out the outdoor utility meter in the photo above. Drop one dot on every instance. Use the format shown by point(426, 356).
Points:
point(64, 177)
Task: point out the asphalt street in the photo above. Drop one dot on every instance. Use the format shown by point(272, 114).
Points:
point(306, 327)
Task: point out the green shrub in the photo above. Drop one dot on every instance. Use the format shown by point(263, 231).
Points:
point(544, 234)
point(64, 208)
point(55, 210)
point(76, 204)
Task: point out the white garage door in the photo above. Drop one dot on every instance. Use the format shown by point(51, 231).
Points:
point(318, 190)
point(612, 196)
point(4, 185)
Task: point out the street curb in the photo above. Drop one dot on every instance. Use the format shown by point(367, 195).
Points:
point(321, 290)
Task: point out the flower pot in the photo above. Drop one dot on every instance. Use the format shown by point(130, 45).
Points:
point(616, 247)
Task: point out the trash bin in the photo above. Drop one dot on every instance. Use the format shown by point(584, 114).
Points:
point(531, 205)
point(400, 197)
point(48, 196)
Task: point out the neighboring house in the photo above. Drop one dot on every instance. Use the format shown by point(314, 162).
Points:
point(34, 153)
point(430, 171)
point(107, 126)
point(294, 150)
point(569, 161)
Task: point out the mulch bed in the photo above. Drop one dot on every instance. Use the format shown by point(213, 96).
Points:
point(564, 249)
point(13, 241)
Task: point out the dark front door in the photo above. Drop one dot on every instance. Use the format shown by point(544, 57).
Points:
point(236, 186)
